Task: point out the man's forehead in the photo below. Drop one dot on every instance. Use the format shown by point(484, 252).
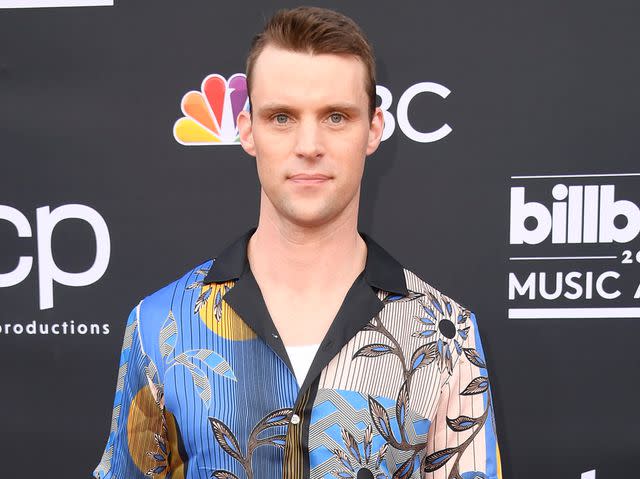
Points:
point(290, 74)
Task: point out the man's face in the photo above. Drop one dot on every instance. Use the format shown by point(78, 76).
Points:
point(309, 116)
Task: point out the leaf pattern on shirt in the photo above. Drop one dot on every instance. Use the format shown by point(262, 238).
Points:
point(197, 361)
point(160, 456)
point(168, 335)
point(355, 460)
point(451, 330)
point(229, 444)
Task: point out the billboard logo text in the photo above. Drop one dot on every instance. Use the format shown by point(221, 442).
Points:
point(579, 214)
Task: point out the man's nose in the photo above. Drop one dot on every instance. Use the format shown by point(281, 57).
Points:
point(308, 139)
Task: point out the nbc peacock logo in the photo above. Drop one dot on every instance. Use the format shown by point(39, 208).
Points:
point(211, 113)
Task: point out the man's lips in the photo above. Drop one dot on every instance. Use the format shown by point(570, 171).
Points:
point(309, 178)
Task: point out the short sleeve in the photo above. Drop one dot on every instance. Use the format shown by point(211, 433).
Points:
point(137, 443)
point(462, 441)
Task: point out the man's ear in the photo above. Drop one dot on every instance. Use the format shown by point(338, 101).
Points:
point(245, 129)
point(375, 131)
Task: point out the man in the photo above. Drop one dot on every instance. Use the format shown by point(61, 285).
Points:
point(303, 349)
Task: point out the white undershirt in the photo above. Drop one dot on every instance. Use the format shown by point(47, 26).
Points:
point(301, 358)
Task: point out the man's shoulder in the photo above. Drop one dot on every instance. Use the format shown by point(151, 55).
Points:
point(424, 290)
point(174, 295)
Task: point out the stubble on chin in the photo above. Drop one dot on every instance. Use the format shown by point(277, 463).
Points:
point(308, 213)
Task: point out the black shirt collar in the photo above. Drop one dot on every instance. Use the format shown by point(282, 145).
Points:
point(360, 305)
point(381, 271)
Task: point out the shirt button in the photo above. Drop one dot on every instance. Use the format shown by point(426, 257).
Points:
point(295, 419)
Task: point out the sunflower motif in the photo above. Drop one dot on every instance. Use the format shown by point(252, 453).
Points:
point(359, 464)
point(452, 329)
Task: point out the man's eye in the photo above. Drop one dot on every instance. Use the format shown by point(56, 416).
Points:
point(336, 117)
point(281, 118)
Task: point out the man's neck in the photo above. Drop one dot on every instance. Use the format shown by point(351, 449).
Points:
point(303, 259)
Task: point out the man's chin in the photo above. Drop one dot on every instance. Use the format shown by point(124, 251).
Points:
point(311, 218)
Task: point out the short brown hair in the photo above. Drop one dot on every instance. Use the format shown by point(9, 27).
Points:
point(316, 30)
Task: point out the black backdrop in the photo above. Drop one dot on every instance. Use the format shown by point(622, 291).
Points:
point(88, 100)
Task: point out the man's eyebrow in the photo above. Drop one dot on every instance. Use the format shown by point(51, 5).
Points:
point(271, 108)
point(350, 108)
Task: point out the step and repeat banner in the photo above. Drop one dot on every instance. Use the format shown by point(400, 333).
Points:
point(509, 178)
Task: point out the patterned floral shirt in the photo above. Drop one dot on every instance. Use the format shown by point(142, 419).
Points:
point(205, 389)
